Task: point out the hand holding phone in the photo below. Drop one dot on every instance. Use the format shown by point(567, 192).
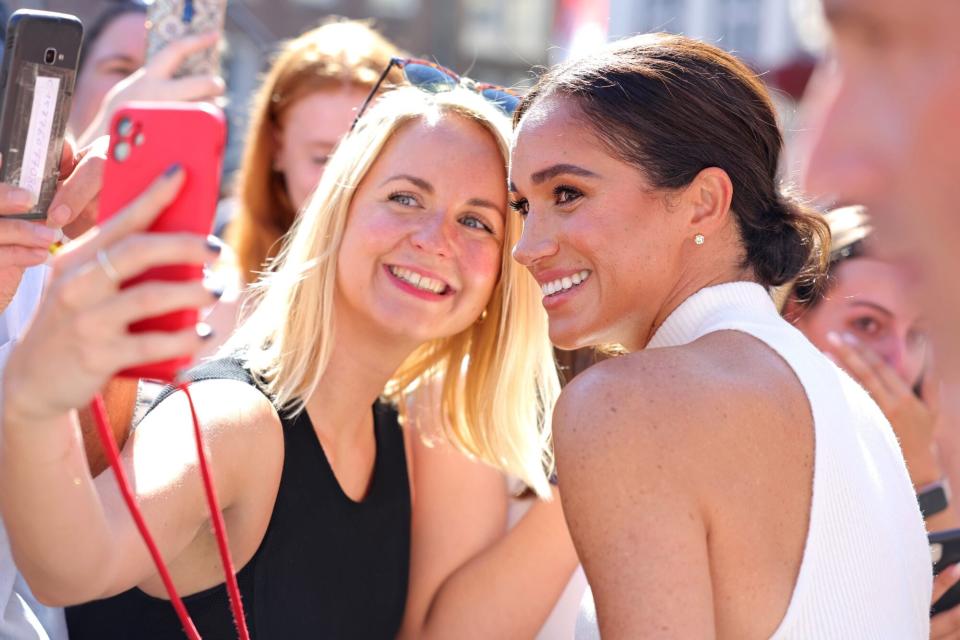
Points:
point(171, 20)
point(39, 69)
point(146, 139)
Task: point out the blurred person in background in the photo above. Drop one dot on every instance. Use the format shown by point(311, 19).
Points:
point(114, 70)
point(882, 110)
point(869, 319)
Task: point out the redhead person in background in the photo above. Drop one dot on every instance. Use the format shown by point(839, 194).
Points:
point(723, 478)
point(395, 275)
point(305, 105)
point(869, 318)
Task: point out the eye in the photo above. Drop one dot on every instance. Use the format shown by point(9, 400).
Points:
point(475, 223)
point(563, 194)
point(867, 325)
point(404, 199)
point(521, 206)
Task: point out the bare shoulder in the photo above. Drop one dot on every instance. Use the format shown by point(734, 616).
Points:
point(673, 406)
point(238, 423)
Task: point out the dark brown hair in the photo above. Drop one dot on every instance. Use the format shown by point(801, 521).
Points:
point(673, 106)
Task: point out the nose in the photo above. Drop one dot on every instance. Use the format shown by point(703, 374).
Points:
point(536, 242)
point(432, 235)
point(842, 154)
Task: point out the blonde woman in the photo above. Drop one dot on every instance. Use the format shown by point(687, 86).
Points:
point(395, 275)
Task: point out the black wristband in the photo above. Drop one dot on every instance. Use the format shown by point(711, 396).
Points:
point(933, 499)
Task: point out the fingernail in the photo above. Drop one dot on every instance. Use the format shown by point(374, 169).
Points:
point(47, 235)
point(214, 244)
point(204, 331)
point(833, 338)
point(60, 214)
point(849, 338)
point(21, 197)
point(172, 169)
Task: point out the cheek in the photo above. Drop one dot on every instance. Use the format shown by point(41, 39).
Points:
point(480, 263)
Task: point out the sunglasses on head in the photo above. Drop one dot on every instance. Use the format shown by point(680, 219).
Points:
point(432, 77)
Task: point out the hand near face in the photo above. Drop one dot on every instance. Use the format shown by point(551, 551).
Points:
point(155, 81)
point(912, 419)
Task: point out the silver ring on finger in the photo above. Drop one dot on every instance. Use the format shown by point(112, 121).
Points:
point(108, 267)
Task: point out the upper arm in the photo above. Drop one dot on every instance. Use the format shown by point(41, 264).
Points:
point(632, 506)
point(459, 509)
point(162, 466)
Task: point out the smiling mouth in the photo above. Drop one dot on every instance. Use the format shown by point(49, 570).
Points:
point(565, 283)
point(421, 282)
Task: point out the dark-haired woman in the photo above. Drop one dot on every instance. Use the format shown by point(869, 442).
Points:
point(724, 478)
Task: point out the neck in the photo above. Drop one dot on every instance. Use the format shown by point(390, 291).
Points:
point(362, 363)
point(704, 269)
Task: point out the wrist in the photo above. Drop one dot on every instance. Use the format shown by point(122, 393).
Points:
point(923, 467)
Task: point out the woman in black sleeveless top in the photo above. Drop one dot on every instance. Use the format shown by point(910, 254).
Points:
point(395, 275)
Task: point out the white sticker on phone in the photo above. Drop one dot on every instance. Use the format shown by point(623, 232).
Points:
point(38, 133)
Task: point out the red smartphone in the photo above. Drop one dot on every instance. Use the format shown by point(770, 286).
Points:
point(145, 139)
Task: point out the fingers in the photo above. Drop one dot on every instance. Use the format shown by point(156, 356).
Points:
point(22, 257)
point(155, 298)
point(138, 348)
point(15, 200)
point(99, 277)
point(944, 580)
point(946, 625)
point(81, 187)
point(24, 233)
point(855, 361)
point(169, 59)
point(137, 216)
point(193, 88)
point(68, 157)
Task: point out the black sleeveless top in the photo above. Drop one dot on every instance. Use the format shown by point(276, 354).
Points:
point(328, 567)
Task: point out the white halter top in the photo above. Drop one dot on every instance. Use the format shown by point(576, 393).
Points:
point(866, 569)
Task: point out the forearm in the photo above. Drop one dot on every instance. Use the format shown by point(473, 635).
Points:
point(58, 530)
point(508, 590)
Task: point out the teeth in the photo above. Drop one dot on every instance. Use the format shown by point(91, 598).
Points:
point(564, 283)
point(419, 281)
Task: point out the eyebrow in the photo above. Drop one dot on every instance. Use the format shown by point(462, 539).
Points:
point(872, 305)
point(557, 170)
point(480, 202)
point(419, 182)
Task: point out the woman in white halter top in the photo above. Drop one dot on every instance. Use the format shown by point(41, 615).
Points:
point(722, 479)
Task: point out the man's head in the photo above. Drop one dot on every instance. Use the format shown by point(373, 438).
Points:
point(885, 109)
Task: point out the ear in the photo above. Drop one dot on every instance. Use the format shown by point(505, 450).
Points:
point(708, 198)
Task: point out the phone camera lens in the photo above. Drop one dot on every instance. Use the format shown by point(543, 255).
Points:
point(121, 151)
point(125, 127)
point(50, 55)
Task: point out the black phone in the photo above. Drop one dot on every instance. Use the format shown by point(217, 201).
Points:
point(39, 69)
point(945, 551)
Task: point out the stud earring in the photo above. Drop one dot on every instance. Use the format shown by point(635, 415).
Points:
point(483, 316)
point(699, 239)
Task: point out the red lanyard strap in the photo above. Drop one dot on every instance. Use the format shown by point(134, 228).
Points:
point(113, 455)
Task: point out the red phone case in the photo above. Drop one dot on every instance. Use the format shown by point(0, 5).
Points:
point(145, 139)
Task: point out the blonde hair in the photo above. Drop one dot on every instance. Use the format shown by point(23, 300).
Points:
point(499, 380)
point(336, 54)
